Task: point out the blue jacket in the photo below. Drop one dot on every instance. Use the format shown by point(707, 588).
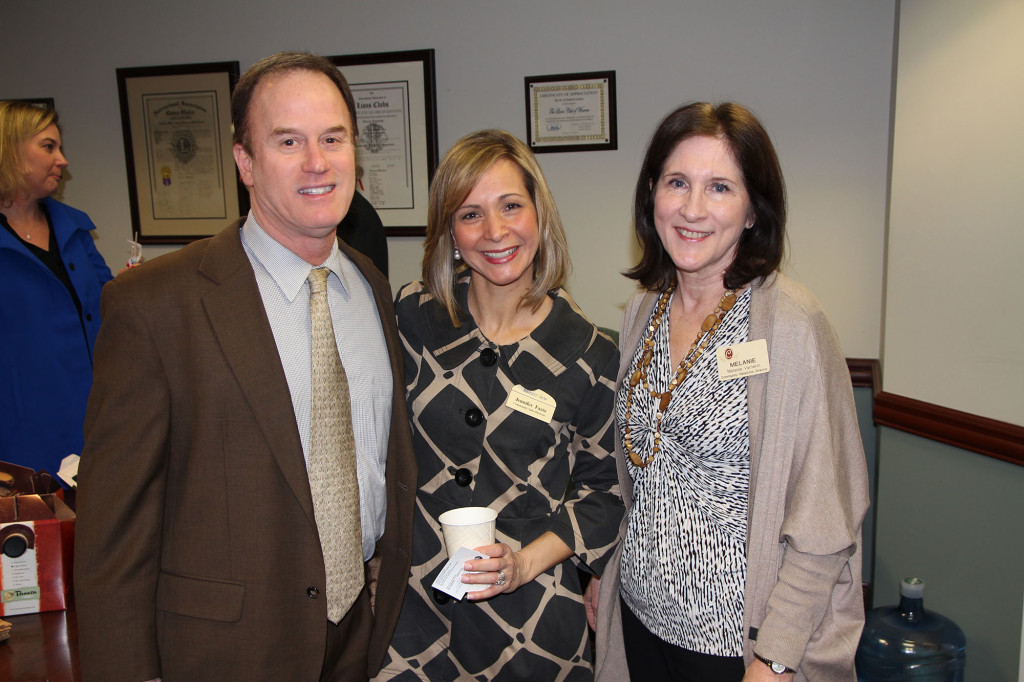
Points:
point(45, 358)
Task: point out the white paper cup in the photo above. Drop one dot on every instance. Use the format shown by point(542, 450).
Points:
point(467, 527)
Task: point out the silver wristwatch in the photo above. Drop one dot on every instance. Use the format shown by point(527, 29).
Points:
point(776, 668)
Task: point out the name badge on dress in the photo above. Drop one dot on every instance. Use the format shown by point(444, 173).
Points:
point(742, 360)
point(536, 404)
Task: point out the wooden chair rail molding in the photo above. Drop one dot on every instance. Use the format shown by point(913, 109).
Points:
point(865, 373)
point(985, 436)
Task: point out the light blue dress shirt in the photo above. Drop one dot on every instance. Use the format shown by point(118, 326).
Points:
point(281, 276)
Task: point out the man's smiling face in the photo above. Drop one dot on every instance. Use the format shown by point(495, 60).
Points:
point(301, 167)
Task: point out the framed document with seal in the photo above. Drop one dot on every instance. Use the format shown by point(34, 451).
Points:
point(182, 183)
point(571, 112)
point(396, 119)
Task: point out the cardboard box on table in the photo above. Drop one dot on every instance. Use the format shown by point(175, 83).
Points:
point(37, 531)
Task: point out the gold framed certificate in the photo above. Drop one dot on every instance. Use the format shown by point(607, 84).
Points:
point(182, 183)
point(572, 112)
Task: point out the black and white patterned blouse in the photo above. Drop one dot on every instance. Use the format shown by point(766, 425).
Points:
point(683, 559)
point(474, 450)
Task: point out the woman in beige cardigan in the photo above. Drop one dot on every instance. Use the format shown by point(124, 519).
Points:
point(741, 461)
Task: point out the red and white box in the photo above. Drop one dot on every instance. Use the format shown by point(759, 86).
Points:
point(36, 546)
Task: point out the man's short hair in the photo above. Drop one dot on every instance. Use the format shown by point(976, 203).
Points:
point(277, 64)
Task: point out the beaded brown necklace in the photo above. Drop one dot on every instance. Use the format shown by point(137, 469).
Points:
point(707, 330)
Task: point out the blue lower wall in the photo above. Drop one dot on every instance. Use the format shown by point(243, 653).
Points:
point(955, 519)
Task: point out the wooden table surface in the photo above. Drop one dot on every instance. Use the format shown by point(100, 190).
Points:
point(43, 646)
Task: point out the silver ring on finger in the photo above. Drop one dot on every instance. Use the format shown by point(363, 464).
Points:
point(501, 578)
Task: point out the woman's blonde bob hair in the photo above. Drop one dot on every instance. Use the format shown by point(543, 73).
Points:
point(19, 122)
point(460, 169)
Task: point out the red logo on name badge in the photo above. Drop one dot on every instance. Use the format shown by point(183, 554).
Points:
point(728, 353)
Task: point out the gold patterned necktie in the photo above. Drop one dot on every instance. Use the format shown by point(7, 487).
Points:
point(332, 460)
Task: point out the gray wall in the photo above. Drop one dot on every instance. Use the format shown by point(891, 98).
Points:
point(950, 335)
point(956, 222)
point(818, 72)
point(869, 435)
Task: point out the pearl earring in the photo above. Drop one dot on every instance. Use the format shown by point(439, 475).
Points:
point(458, 254)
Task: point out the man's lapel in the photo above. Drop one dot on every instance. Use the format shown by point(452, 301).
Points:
point(236, 314)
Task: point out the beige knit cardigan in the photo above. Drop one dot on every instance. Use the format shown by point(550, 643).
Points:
point(808, 494)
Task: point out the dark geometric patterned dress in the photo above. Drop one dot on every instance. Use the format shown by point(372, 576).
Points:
point(473, 450)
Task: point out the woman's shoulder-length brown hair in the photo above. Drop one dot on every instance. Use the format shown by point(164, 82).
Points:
point(19, 121)
point(459, 171)
point(761, 247)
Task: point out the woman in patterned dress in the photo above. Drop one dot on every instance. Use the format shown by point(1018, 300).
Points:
point(491, 320)
point(742, 471)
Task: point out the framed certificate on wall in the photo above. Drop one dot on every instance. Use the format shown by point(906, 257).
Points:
point(396, 120)
point(571, 112)
point(182, 182)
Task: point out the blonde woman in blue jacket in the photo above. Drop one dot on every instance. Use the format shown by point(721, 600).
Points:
point(50, 280)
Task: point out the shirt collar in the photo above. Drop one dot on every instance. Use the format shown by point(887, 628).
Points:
point(288, 270)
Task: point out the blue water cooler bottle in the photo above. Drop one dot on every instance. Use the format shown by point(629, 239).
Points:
point(906, 642)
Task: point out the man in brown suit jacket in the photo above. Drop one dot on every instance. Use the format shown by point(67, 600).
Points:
point(198, 555)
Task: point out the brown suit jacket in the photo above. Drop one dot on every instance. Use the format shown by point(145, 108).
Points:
point(196, 544)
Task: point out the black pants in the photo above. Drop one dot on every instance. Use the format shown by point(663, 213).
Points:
point(652, 659)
